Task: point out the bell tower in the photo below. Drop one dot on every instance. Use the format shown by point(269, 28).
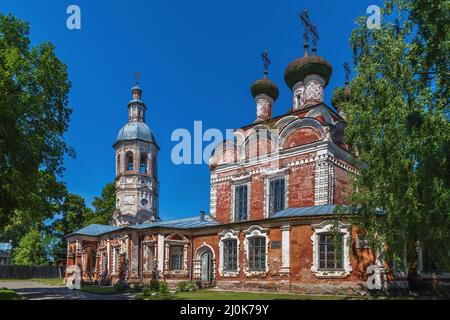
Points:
point(136, 153)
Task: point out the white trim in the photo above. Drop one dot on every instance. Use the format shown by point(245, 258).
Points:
point(322, 111)
point(285, 249)
point(160, 253)
point(229, 234)
point(252, 232)
point(326, 227)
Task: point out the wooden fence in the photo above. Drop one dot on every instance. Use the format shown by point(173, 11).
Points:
point(29, 272)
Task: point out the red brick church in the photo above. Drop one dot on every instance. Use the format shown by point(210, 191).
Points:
point(274, 191)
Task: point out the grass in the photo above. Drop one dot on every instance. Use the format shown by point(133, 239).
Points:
point(99, 290)
point(51, 282)
point(7, 294)
point(208, 294)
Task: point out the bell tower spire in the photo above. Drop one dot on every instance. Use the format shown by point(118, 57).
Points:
point(136, 164)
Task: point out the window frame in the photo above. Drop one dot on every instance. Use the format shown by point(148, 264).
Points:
point(256, 232)
point(171, 257)
point(329, 242)
point(257, 252)
point(269, 194)
point(245, 185)
point(225, 235)
point(230, 253)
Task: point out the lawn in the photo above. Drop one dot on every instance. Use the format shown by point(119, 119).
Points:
point(51, 282)
point(6, 294)
point(208, 294)
point(99, 290)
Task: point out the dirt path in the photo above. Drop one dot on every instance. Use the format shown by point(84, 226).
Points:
point(40, 291)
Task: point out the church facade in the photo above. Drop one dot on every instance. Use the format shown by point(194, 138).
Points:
point(274, 192)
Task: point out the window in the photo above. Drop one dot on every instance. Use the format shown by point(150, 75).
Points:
point(230, 255)
point(276, 196)
point(129, 164)
point(143, 165)
point(257, 254)
point(149, 258)
point(176, 258)
point(118, 164)
point(240, 203)
point(116, 259)
point(329, 259)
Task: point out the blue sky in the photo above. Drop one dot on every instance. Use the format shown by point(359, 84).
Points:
point(197, 59)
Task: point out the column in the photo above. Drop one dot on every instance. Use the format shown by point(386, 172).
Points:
point(285, 250)
point(160, 253)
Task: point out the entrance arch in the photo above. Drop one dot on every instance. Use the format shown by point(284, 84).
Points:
point(204, 265)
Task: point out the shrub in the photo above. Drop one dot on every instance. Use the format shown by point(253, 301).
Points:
point(191, 286)
point(120, 287)
point(154, 284)
point(137, 287)
point(182, 286)
point(147, 291)
point(163, 288)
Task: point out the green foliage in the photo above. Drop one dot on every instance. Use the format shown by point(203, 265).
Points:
point(163, 288)
point(398, 124)
point(154, 284)
point(33, 119)
point(31, 250)
point(104, 206)
point(182, 285)
point(120, 287)
point(191, 286)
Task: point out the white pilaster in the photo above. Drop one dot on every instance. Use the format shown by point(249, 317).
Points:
point(160, 253)
point(285, 249)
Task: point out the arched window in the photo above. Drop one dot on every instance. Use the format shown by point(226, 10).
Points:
point(143, 165)
point(118, 164)
point(129, 163)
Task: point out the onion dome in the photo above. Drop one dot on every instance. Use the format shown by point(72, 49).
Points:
point(136, 131)
point(298, 69)
point(265, 86)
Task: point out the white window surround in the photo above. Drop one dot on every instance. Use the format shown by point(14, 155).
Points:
point(115, 259)
point(429, 275)
point(252, 232)
point(326, 227)
point(237, 183)
point(274, 175)
point(146, 245)
point(182, 243)
point(229, 234)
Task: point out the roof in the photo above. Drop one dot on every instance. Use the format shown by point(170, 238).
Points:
point(197, 222)
point(307, 211)
point(184, 223)
point(94, 230)
point(136, 131)
point(5, 246)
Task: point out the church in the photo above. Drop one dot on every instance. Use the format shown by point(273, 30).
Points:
point(274, 192)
